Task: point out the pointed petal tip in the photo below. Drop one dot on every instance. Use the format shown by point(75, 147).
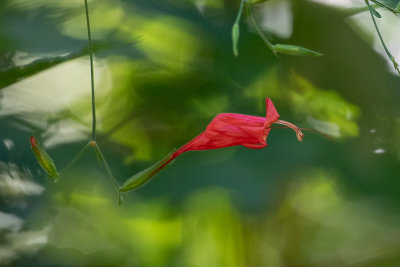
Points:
point(271, 113)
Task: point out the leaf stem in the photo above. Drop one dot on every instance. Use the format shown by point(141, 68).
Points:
point(75, 158)
point(91, 73)
point(396, 66)
point(263, 37)
point(106, 166)
point(239, 14)
point(236, 29)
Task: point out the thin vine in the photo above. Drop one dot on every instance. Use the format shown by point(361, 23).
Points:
point(374, 14)
point(293, 50)
point(45, 160)
point(91, 72)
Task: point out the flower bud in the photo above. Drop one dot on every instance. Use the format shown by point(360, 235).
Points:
point(44, 160)
point(235, 39)
point(146, 175)
point(295, 50)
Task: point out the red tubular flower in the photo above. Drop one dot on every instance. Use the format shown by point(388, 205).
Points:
point(225, 130)
point(230, 129)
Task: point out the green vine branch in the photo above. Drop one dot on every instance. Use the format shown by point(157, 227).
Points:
point(45, 161)
point(293, 50)
point(263, 37)
point(78, 156)
point(91, 72)
point(373, 14)
point(93, 142)
point(105, 164)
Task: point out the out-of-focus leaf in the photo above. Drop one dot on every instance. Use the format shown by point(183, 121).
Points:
point(14, 74)
point(326, 106)
point(326, 110)
point(217, 230)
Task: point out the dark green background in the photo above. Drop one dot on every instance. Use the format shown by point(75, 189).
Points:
point(171, 67)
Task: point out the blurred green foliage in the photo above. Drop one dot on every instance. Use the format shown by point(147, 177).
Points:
point(163, 70)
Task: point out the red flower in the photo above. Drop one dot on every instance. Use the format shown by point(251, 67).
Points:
point(225, 130)
point(230, 129)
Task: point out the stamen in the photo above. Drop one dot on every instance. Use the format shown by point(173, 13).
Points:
point(307, 129)
point(299, 134)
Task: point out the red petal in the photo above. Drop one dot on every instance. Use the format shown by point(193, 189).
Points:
point(272, 115)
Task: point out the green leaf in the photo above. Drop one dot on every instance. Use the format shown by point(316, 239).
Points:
point(398, 6)
point(146, 175)
point(374, 12)
point(393, 10)
point(295, 50)
point(44, 160)
point(235, 39)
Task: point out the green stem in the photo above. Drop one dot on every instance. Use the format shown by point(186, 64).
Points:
point(239, 15)
point(236, 29)
point(91, 73)
point(396, 66)
point(263, 37)
point(75, 158)
point(107, 167)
